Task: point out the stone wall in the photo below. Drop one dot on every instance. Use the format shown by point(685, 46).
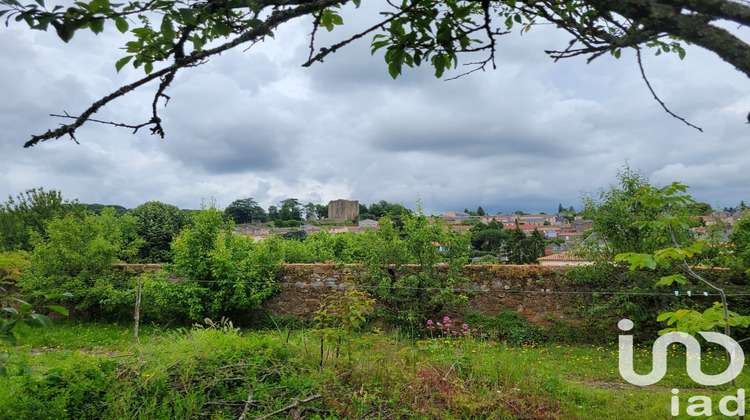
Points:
point(532, 291)
point(538, 293)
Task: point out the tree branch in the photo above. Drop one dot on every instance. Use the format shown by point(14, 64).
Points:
point(325, 51)
point(669, 18)
point(276, 18)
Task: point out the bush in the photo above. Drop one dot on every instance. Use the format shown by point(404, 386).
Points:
point(529, 335)
point(76, 257)
point(77, 390)
point(13, 266)
point(408, 297)
point(500, 326)
point(226, 275)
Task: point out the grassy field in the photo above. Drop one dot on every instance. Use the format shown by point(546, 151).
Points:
point(89, 370)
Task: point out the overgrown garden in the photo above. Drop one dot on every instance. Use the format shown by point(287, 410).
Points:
point(395, 343)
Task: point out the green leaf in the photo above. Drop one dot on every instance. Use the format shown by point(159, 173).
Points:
point(121, 24)
point(222, 29)
point(25, 369)
point(148, 67)
point(188, 16)
point(24, 309)
point(668, 280)
point(664, 316)
point(42, 320)
point(97, 26)
point(122, 62)
point(378, 45)
point(394, 69)
point(10, 338)
point(65, 30)
point(59, 309)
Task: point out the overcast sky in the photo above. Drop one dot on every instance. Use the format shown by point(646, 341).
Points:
point(526, 136)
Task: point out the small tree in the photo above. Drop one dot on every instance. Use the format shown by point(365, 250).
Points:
point(514, 250)
point(615, 214)
point(535, 246)
point(667, 204)
point(158, 224)
point(245, 210)
point(28, 214)
point(740, 238)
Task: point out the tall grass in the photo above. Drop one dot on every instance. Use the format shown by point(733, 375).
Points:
point(95, 371)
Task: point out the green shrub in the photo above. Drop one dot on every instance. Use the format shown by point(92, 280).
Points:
point(528, 335)
point(408, 296)
point(225, 274)
point(500, 326)
point(77, 390)
point(76, 257)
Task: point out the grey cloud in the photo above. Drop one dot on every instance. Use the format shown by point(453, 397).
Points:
point(223, 150)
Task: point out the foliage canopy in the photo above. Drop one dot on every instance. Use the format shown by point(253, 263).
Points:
point(169, 36)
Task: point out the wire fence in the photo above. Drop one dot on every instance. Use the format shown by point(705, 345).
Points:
point(676, 293)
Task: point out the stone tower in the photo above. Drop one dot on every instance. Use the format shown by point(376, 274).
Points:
point(342, 210)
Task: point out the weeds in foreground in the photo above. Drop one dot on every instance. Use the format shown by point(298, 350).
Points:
point(217, 371)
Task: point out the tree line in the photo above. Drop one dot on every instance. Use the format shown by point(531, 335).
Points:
point(67, 249)
point(54, 246)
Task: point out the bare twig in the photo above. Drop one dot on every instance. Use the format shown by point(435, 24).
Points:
point(248, 403)
point(645, 79)
point(333, 48)
point(294, 406)
point(316, 24)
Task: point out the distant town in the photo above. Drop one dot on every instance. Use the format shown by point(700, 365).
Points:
point(563, 231)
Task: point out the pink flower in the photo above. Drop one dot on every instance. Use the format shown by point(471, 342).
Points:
point(440, 325)
point(479, 326)
point(466, 333)
point(454, 332)
point(447, 319)
point(429, 322)
point(465, 326)
point(474, 330)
